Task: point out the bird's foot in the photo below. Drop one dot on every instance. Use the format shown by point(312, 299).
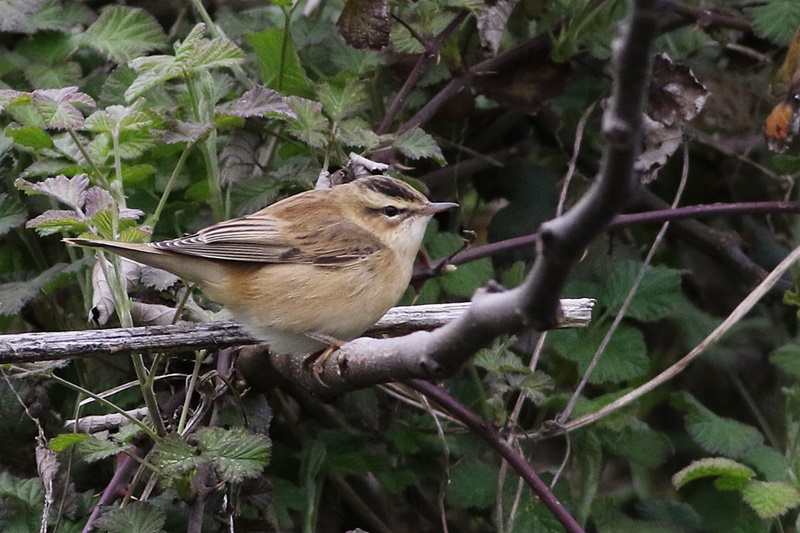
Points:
point(317, 360)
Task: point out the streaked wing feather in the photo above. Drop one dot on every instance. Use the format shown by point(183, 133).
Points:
point(262, 238)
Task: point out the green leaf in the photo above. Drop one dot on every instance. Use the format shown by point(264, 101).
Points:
point(340, 101)
point(787, 358)
point(473, 483)
point(770, 499)
point(28, 491)
point(174, 456)
point(30, 136)
point(500, 361)
point(416, 144)
point(135, 516)
point(196, 53)
point(15, 295)
point(12, 213)
point(640, 444)
point(279, 63)
point(123, 33)
point(656, 297)
point(770, 462)
point(357, 132)
point(310, 123)
point(31, 16)
point(776, 20)
point(99, 446)
point(467, 277)
point(712, 467)
point(61, 442)
point(721, 435)
point(624, 358)
point(236, 453)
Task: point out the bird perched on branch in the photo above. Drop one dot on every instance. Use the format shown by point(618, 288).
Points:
point(313, 269)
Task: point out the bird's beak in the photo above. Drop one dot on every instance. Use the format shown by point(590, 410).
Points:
point(437, 207)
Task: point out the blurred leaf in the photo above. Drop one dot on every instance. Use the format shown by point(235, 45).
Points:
point(641, 445)
point(712, 467)
point(15, 295)
point(769, 462)
point(473, 483)
point(123, 33)
point(135, 516)
point(12, 213)
point(787, 358)
point(61, 442)
point(770, 498)
point(279, 63)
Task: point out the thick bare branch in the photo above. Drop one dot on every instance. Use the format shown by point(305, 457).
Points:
point(30, 347)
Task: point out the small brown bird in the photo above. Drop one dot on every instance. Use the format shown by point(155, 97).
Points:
point(321, 265)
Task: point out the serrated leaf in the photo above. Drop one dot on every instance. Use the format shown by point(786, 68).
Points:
point(416, 144)
point(135, 516)
point(59, 443)
point(340, 101)
point(499, 361)
point(769, 462)
point(151, 71)
point(235, 453)
point(14, 295)
point(279, 63)
point(174, 456)
point(68, 191)
point(15, 13)
point(711, 467)
point(624, 358)
point(357, 132)
point(46, 76)
point(473, 483)
point(640, 444)
point(31, 16)
point(28, 491)
point(58, 220)
point(776, 20)
point(198, 53)
point(657, 295)
point(30, 136)
point(770, 499)
point(116, 119)
point(123, 33)
point(721, 435)
point(99, 446)
point(12, 213)
point(310, 123)
point(258, 102)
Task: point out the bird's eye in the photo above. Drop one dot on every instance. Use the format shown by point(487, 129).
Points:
point(390, 211)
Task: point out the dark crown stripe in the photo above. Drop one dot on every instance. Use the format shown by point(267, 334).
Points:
point(392, 188)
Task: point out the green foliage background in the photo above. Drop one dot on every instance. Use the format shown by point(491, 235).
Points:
point(148, 122)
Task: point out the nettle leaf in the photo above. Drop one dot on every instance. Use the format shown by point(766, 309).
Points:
point(279, 62)
point(46, 108)
point(15, 295)
point(537, 387)
point(656, 297)
point(116, 119)
point(624, 358)
point(712, 467)
point(123, 33)
point(99, 446)
point(787, 358)
point(357, 132)
point(776, 20)
point(151, 71)
point(135, 516)
point(30, 136)
point(717, 434)
point(500, 361)
point(416, 144)
point(340, 101)
point(174, 456)
point(68, 191)
point(31, 16)
point(258, 102)
point(310, 124)
point(198, 53)
point(770, 499)
point(473, 483)
point(236, 453)
point(12, 213)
